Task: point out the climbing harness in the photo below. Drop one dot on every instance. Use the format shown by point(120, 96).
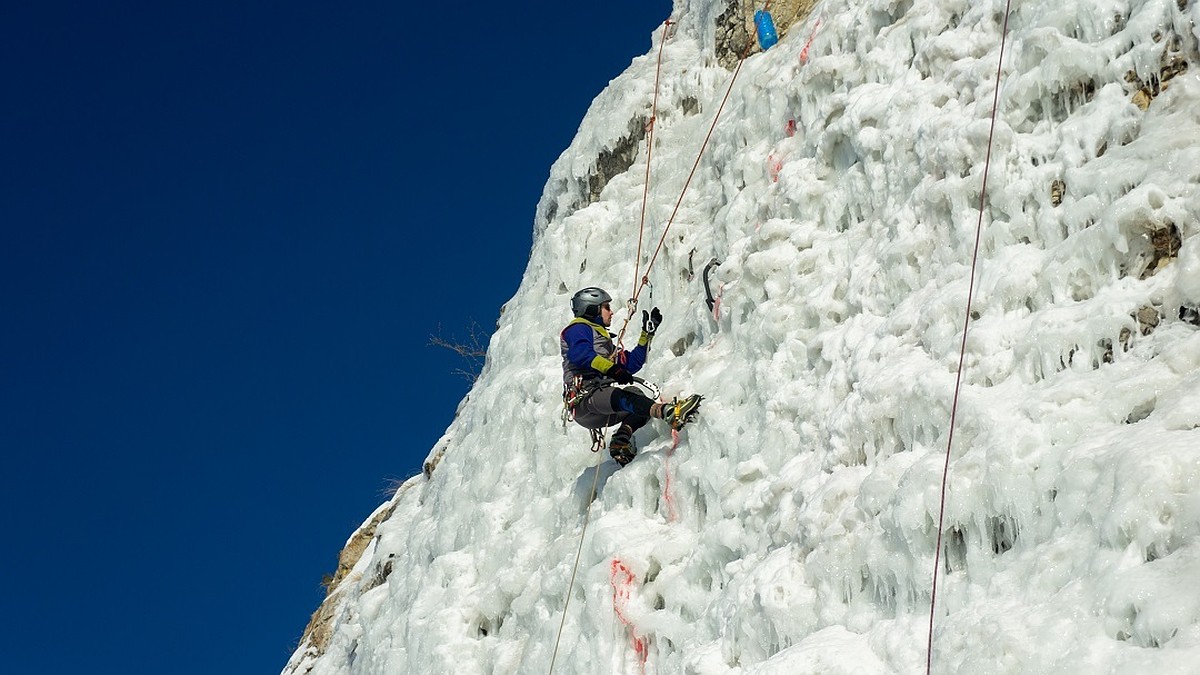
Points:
point(581, 389)
point(937, 557)
point(572, 395)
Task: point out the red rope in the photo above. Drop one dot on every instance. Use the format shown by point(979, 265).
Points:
point(668, 496)
point(937, 558)
point(670, 221)
point(637, 261)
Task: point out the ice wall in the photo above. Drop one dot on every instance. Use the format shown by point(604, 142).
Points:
point(794, 528)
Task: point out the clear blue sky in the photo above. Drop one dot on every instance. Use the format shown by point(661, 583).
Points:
point(228, 233)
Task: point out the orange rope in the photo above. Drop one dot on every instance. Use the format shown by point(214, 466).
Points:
point(649, 153)
point(937, 557)
point(670, 221)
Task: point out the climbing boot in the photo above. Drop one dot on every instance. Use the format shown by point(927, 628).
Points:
point(679, 412)
point(621, 446)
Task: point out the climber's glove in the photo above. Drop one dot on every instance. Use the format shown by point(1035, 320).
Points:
point(620, 374)
point(651, 321)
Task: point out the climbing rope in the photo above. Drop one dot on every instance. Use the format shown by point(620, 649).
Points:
point(937, 558)
point(645, 279)
point(587, 513)
point(637, 261)
point(695, 165)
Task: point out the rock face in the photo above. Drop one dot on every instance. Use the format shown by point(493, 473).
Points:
point(795, 527)
point(1173, 61)
point(320, 626)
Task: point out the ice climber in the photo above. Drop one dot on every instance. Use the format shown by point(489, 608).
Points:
point(595, 372)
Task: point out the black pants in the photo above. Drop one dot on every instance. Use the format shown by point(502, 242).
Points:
point(612, 404)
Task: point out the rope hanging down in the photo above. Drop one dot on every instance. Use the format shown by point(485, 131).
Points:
point(637, 261)
point(937, 557)
point(587, 514)
point(645, 280)
point(695, 165)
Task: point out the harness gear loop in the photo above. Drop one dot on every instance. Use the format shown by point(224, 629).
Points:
point(571, 397)
point(580, 390)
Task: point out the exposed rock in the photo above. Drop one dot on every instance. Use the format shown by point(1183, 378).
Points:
point(1148, 319)
point(680, 347)
point(1057, 188)
point(610, 163)
point(1165, 242)
point(1172, 63)
point(732, 36)
point(320, 626)
point(432, 462)
point(615, 160)
point(735, 27)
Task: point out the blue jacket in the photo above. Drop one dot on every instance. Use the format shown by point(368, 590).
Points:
point(588, 352)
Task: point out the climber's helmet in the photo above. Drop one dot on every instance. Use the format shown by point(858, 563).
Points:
point(586, 303)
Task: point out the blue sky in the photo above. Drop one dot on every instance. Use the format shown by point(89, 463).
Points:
point(229, 231)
